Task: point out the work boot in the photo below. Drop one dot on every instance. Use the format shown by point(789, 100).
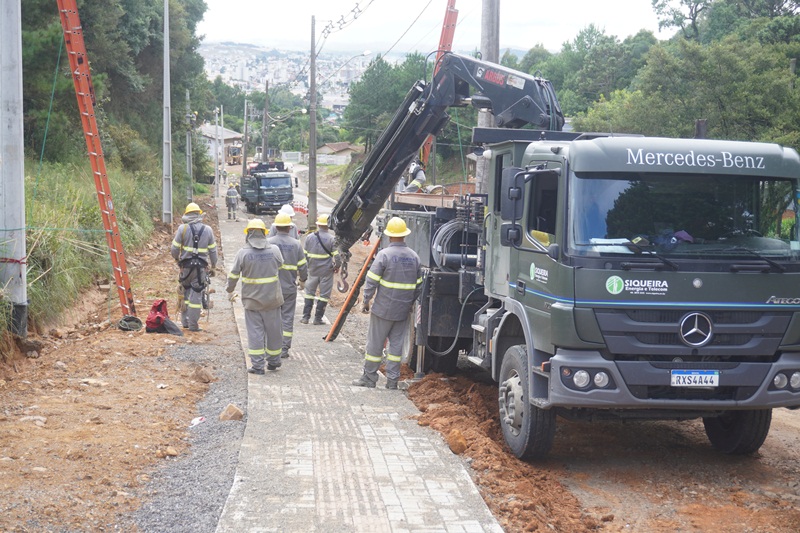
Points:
point(320, 313)
point(307, 307)
point(285, 353)
point(259, 371)
point(363, 381)
point(391, 384)
point(270, 366)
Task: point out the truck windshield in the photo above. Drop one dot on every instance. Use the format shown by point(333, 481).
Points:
point(683, 215)
point(274, 182)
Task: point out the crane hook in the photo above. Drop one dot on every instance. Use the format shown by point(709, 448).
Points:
point(342, 285)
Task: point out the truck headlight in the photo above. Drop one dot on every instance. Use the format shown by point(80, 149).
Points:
point(581, 379)
point(780, 381)
point(601, 379)
point(794, 381)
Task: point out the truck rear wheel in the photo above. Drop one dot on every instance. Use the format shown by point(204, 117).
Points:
point(738, 432)
point(528, 430)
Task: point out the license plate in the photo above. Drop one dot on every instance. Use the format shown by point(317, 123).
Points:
point(694, 378)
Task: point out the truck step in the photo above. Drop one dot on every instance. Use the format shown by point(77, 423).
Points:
point(479, 328)
point(477, 361)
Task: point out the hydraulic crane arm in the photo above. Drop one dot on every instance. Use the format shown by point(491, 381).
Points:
point(514, 98)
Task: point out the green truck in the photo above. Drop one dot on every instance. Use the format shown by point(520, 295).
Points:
point(608, 276)
point(266, 187)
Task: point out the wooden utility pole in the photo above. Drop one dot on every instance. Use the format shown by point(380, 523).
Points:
point(13, 263)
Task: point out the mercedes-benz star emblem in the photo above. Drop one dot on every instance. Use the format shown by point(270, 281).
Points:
point(696, 329)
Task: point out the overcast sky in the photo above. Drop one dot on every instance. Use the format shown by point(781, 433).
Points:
point(415, 25)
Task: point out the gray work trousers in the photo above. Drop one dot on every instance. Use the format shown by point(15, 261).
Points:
point(263, 337)
point(192, 305)
point(381, 329)
point(287, 318)
point(325, 285)
point(232, 209)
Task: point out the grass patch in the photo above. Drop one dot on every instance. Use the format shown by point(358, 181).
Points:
point(66, 242)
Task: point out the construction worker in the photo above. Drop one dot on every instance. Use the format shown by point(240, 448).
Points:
point(195, 249)
point(232, 200)
point(395, 279)
point(286, 209)
point(416, 173)
point(323, 261)
point(294, 266)
point(257, 265)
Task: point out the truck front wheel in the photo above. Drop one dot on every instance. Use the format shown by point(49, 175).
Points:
point(528, 430)
point(738, 432)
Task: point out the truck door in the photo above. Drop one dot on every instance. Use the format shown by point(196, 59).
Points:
point(498, 258)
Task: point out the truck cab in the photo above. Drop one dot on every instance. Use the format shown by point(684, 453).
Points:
point(266, 188)
point(635, 277)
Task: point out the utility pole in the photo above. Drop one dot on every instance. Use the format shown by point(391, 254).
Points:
point(189, 128)
point(166, 204)
point(265, 125)
point(244, 142)
point(216, 152)
point(13, 269)
point(312, 134)
point(490, 51)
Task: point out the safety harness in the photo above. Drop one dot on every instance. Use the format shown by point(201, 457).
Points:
point(194, 263)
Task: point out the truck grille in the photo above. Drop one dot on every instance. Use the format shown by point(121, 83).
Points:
point(654, 335)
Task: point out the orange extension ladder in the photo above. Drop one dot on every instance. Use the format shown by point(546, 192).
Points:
point(79, 66)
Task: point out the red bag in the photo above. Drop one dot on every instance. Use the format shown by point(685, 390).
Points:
point(158, 315)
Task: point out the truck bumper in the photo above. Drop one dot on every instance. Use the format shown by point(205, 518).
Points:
point(646, 384)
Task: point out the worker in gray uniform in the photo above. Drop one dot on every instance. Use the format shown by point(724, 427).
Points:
point(295, 266)
point(395, 279)
point(286, 209)
point(257, 265)
point(195, 250)
point(323, 261)
point(232, 201)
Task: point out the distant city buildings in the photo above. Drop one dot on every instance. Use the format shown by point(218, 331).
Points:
point(249, 67)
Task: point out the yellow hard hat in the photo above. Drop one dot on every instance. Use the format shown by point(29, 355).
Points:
point(322, 220)
point(396, 227)
point(193, 208)
point(282, 219)
point(255, 223)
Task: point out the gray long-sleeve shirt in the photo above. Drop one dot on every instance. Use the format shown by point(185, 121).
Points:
point(320, 262)
point(294, 261)
point(258, 269)
point(395, 279)
point(183, 242)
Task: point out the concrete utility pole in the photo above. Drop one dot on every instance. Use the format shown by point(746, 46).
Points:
point(312, 134)
point(265, 124)
point(189, 128)
point(166, 204)
point(490, 51)
point(13, 269)
point(244, 142)
point(216, 152)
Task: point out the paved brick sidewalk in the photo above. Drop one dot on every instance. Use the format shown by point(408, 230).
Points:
point(321, 455)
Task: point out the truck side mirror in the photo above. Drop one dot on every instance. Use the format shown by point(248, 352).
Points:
point(511, 200)
point(510, 235)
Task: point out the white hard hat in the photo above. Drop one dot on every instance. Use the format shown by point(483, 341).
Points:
point(287, 209)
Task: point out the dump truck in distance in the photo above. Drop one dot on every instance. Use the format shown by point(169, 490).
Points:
point(266, 187)
point(611, 276)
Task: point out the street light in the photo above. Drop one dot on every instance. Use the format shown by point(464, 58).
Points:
point(270, 122)
point(365, 53)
